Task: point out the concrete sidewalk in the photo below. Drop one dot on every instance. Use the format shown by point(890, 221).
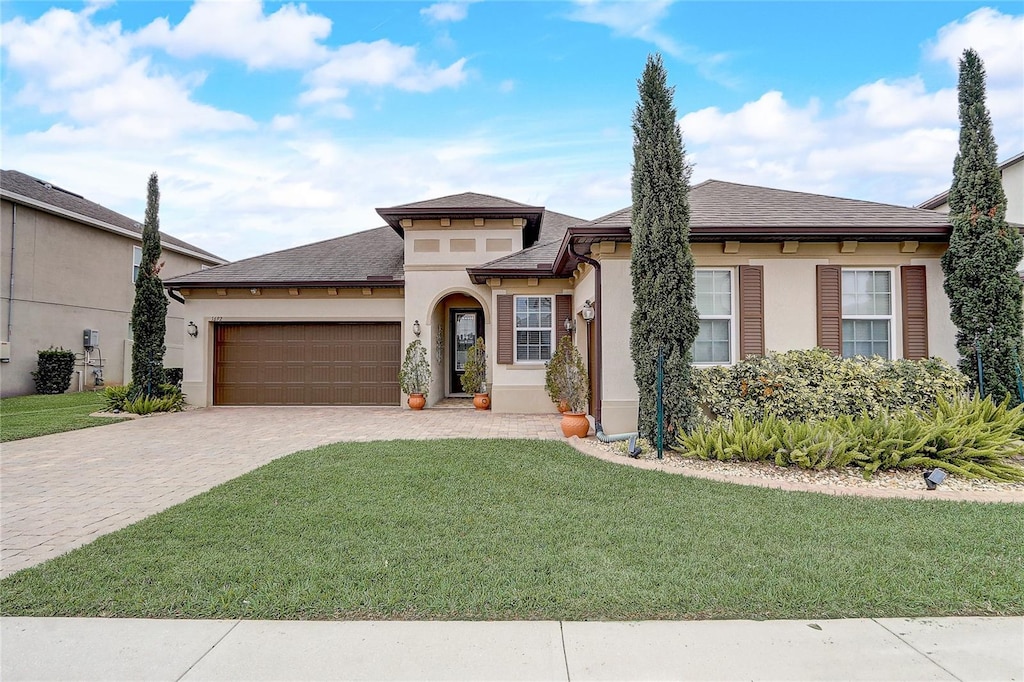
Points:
point(860, 649)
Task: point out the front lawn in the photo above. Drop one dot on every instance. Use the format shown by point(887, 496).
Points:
point(38, 415)
point(506, 529)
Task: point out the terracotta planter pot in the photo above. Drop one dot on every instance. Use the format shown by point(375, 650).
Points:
point(417, 401)
point(481, 401)
point(575, 424)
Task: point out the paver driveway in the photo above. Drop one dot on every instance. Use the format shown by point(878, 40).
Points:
point(61, 491)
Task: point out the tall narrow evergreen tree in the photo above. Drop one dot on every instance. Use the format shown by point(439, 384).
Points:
point(149, 313)
point(664, 316)
point(982, 284)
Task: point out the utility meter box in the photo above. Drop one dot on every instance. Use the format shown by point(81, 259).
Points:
point(91, 338)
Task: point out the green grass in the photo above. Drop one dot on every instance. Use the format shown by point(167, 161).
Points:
point(464, 529)
point(38, 415)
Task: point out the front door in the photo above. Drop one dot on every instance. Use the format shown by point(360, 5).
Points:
point(466, 325)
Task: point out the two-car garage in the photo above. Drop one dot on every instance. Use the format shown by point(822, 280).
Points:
point(314, 363)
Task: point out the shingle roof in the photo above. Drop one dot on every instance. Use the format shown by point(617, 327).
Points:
point(374, 256)
point(715, 204)
point(17, 183)
point(464, 200)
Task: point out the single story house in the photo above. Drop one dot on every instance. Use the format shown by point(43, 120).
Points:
point(327, 323)
point(69, 265)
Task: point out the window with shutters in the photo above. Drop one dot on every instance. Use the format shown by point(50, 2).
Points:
point(534, 328)
point(867, 313)
point(715, 296)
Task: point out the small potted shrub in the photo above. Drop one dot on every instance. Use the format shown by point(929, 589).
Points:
point(567, 384)
point(474, 373)
point(414, 377)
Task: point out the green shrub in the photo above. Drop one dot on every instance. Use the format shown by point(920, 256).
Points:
point(114, 397)
point(145, 404)
point(53, 375)
point(970, 437)
point(814, 384)
point(173, 375)
point(167, 398)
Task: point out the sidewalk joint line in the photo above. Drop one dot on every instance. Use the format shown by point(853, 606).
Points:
point(939, 665)
point(565, 654)
point(212, 647)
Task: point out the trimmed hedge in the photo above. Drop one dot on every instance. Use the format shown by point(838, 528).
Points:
point(970, 437)
point(815, 384)
point(56, 366)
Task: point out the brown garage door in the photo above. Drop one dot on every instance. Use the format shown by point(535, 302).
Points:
point(307, 364)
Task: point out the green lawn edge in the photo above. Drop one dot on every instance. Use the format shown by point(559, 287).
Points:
point(41, 415)
point(529, 530)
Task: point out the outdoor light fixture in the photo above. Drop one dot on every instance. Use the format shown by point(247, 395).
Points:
point(416, 328)
point(569, 325)
point(588, 311)
point(254, 291)
point(193, 330)
point(933, 478)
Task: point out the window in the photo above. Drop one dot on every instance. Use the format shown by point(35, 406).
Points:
point(867, 313)
point(136, 262)
point(713, 295)
point(534, 318)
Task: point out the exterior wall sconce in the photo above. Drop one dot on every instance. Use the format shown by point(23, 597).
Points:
point(588, 311)
point(416, 328)
point(569, 325)
point(193, 330)
point(254, 291)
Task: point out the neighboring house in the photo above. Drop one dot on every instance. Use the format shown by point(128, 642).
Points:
point(69, 265)
point(1012, 173)
point(327, 323)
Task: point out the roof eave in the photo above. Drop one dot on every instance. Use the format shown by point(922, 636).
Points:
point(393, 216)
point(257, 284)
point(99, 224)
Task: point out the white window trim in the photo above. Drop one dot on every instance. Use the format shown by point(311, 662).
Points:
point(516, 329)
point(136, 262)
point(890, 318)
point(734, 318)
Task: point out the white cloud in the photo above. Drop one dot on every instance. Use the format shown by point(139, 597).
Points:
point(891, 140)
point(630, 19)
point(63, 50)
point(380, 63)
point(87, 74)
point(998, 38)
point(446, 11)
point(239, 30)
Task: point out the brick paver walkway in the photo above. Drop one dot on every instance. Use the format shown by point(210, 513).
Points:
point(62, 491)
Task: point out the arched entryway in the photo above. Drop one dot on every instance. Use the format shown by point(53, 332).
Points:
point(457, 320)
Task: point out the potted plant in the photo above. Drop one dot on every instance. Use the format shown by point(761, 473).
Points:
point(414, 377)
point(474, 373)
point(567, 385)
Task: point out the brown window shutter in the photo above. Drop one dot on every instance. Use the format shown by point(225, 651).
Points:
point(505, 329)
point(915, 312)
point(751, 305)
point(563, 309)
point(830, 308)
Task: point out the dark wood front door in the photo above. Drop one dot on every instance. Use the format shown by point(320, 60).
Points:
point(466, 325)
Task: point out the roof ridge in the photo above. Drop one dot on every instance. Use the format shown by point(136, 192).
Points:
point(808, 194)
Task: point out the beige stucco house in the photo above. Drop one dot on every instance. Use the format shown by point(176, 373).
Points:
point(327, 323)
point(68, 265)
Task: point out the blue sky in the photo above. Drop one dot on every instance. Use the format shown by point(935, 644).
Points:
point(277, 124)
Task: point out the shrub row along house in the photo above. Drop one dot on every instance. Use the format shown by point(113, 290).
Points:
point(69, 265)
point(326, 323)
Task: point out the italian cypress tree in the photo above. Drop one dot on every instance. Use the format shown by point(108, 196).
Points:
point(664, 315)
point(980, 266)
point(149, 313)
